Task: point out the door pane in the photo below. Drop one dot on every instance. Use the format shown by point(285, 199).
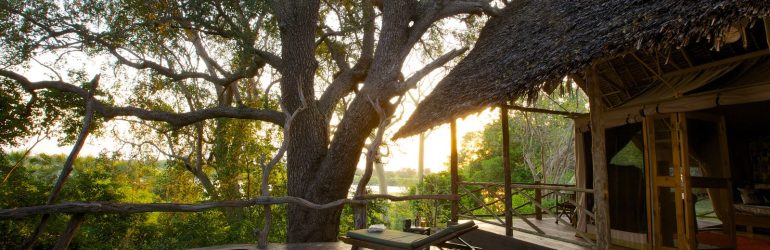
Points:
point(663, 150)
point(667, 218)
point(711, 205)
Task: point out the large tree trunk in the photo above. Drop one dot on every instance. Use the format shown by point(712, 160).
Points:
point(308, 138)
point(319, 170)
point(316, 174)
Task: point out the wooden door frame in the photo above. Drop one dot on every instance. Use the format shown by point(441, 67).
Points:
point(681, 180)
point(719, 120)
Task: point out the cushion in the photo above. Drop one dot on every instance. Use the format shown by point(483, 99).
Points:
point(406, 240)
point(391, 238)
point(444, 232)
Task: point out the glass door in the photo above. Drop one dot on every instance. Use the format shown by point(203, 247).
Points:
point(665, 187)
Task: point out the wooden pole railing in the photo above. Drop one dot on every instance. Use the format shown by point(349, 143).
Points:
point(538, 199)
point(534, 195)
point(128, 208)
point(544, 186)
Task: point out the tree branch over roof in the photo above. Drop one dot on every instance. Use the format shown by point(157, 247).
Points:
point(432, 11)
point(412, 81)
point(176, 120)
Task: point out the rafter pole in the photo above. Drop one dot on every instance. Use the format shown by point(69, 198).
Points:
point(730, 60)
point(453, 170)
point(655, 73)
point(598, 151)
point(507, 171)
point(620, 78)
point(686, 57)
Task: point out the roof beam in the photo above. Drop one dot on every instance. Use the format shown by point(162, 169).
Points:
point(543, 111)
point(719, 63)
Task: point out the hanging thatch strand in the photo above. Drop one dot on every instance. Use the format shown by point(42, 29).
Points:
point(534, 44)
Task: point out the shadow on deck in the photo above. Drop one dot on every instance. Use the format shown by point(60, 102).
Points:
point(490, 240)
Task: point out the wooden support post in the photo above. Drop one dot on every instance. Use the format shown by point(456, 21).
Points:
point(507, 172)
point(766, 21)
point(72, 227)
point(580, 178)
point(453, 171)
point(598, 151)
point(421, 159)
point(539, 199)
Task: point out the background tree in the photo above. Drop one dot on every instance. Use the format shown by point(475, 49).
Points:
point(542, 145)
point(183, 63)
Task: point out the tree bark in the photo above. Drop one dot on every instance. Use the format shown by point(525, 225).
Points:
point(72, 228)
point(335, 173)
point(380, 169)
point(297, 21)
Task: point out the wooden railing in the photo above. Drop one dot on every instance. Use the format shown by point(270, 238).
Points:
point(488, 200)
point(81, 209)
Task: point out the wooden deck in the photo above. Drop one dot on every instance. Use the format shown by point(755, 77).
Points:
point(488, 236)
point(548, 225)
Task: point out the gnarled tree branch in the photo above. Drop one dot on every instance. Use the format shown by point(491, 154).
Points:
point(348, 78)
point(174, 119)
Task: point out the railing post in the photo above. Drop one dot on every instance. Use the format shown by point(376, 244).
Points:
point(507, 172)
point(539, 199)
point(72, 228)
point(453, 171)
point(359, 213)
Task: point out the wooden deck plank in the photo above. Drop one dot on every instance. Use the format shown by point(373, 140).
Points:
point(548, 225)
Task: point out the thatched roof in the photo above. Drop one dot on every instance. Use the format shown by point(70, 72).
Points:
point(536, 43)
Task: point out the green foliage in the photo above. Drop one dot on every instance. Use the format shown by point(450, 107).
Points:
point(15, 113)
point(54, 111)
point(481, 158)
point(541, 145)
point(629, 155)
point(108, 179)
point(434, 212)
point(92, 179)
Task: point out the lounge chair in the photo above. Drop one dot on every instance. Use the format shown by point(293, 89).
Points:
point(398, 240)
